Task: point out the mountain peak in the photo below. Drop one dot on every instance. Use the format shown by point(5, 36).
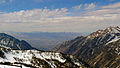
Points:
point(109, 30)
point(113, 29)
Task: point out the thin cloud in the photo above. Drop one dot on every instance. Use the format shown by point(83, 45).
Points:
point(111, 0)
point(85, 6)
point(40, 1)
point(116, 5)
point(77, 7)
point(5, 1)
point(90, 6)
point(2, 1)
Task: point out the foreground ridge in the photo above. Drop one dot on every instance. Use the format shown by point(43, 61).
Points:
point(38, 59)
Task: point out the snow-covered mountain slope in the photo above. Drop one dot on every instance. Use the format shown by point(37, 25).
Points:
point(37, 59)
point(8, 66)
point(99, 49)
point(112, 32)
point(14, 43)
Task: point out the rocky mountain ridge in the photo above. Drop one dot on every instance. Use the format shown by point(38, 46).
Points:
point(99, 49)
point(14, 43)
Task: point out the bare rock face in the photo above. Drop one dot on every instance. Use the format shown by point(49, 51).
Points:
point(14, 43)
point(99, 49)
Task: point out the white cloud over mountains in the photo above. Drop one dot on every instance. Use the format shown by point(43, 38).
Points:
point(32, 15)
point(61, 20)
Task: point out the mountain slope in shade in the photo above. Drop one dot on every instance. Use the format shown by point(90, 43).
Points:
point(37, 59)
point(14, 43)
point(99, 49)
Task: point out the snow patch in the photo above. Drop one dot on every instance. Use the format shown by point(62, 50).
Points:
point(113, 40)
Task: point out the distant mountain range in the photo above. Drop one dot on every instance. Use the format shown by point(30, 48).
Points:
point(16, 53)
point(100, 49)
point(45, 40)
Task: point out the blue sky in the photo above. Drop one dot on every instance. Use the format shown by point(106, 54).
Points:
point(58, 15)
point(17, 5)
